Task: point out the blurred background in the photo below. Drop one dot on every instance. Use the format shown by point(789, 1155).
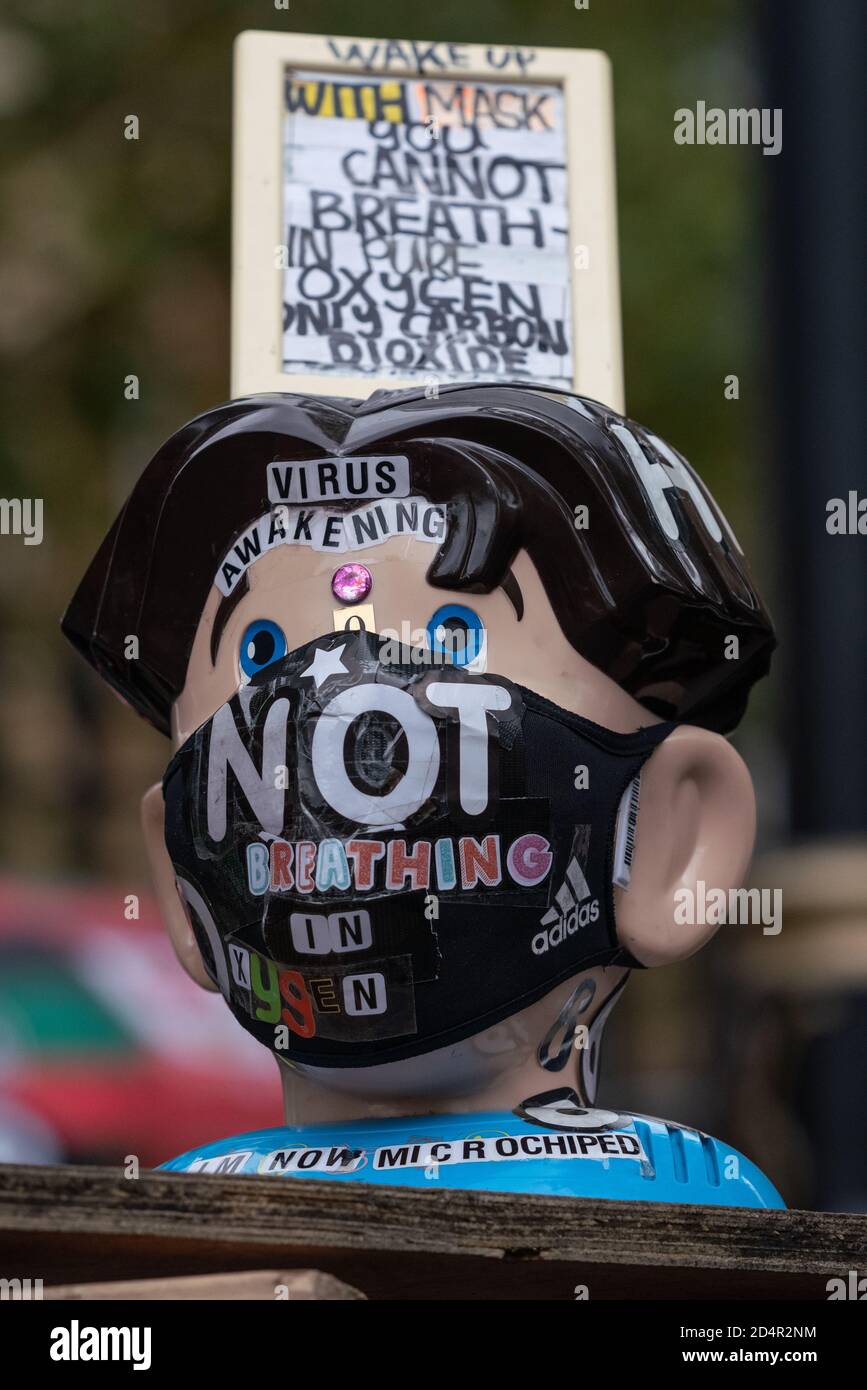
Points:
point(114, 260)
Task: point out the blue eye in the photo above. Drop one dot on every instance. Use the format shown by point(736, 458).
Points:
point(457, 633)
point(262, 643)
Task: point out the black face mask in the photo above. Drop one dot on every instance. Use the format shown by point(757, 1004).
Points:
point(380, 858)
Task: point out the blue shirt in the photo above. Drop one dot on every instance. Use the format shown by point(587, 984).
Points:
point(638, 1158)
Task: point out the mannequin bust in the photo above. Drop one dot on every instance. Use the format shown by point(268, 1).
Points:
point(506, 1103)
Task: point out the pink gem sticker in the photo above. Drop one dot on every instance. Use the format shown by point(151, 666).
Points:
point(351, 583)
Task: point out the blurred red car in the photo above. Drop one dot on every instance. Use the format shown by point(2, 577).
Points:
point(107, 1049)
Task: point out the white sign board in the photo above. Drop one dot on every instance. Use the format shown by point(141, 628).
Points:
point(418, 214)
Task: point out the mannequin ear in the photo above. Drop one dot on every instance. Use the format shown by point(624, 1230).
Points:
point(696, 822)
point(171, 907)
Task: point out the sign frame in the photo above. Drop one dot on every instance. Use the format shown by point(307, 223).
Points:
point(260, 61)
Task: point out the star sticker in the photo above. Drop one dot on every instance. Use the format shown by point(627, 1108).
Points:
point(326, 663)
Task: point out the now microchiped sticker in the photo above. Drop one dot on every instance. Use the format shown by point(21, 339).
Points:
point(342, 1158)
point(508, 1147)
point(226, 1164)
point(302, 1158)
point(499, 1149)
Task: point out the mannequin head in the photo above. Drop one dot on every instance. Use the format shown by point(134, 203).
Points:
point(590, 612)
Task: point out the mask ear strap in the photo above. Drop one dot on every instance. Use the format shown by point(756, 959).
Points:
point(625, 827)
point(625, 830)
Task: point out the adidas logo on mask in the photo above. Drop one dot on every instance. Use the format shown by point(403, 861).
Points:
point(572, 911)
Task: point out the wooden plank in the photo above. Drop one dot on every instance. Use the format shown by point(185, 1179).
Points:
point(73, 1224)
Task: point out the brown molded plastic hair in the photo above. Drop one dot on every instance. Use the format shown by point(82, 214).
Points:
point(511, 462)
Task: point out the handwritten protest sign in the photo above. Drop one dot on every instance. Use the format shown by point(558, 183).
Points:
point(417, 214)
point(426, 229)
